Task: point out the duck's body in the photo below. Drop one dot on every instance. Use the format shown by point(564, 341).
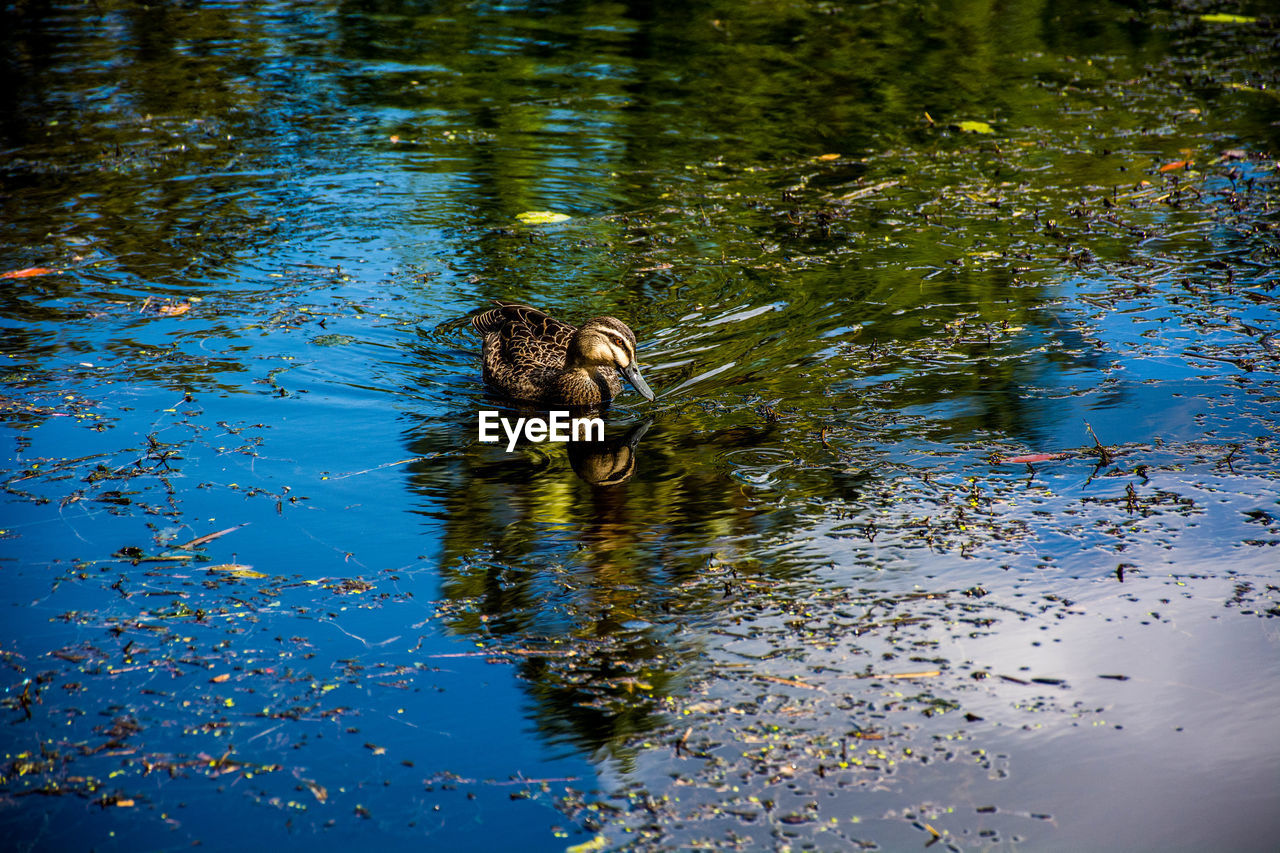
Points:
point(529, 355)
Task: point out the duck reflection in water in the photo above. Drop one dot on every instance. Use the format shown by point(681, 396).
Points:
point(598, 458)
point(608, 462)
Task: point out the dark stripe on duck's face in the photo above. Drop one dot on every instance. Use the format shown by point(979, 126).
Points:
point(612, 324)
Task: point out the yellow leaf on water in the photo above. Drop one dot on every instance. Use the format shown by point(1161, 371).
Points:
point(1222, 18)
point(975, 127)
point(597, 843)
point(541, 217)
point(236, 570)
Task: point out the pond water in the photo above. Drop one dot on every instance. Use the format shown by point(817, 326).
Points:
point(956, 521)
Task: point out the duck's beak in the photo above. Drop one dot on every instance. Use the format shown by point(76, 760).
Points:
point(632, 374)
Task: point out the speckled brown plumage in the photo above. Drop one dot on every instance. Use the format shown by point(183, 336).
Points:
point(529, 355)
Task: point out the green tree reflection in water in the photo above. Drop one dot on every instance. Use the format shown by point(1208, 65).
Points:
point(818, 605)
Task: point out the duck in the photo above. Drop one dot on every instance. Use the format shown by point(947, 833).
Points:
point(529, 355)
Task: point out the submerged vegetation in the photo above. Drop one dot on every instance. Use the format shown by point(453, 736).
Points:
point(955, 522)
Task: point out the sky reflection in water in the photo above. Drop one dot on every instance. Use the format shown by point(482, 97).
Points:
point(814, 606)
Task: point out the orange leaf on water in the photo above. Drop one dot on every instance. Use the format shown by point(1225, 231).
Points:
point(172, 310)
point(27, 273)
point(1176, 164)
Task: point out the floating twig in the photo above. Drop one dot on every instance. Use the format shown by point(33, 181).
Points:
point(862, 192)
point(491, 653)
point(1104, 455)
point(789, 682)
point(926, 673)
point(683, 739)
point(422, 458)
point(208, 537)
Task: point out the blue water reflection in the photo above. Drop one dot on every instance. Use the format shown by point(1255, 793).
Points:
point(860, 575)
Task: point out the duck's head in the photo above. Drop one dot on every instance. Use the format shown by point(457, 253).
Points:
point(608, 342)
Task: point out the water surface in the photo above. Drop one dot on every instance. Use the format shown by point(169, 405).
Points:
point(956, 521)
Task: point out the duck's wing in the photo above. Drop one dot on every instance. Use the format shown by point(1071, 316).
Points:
point(526, 335)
